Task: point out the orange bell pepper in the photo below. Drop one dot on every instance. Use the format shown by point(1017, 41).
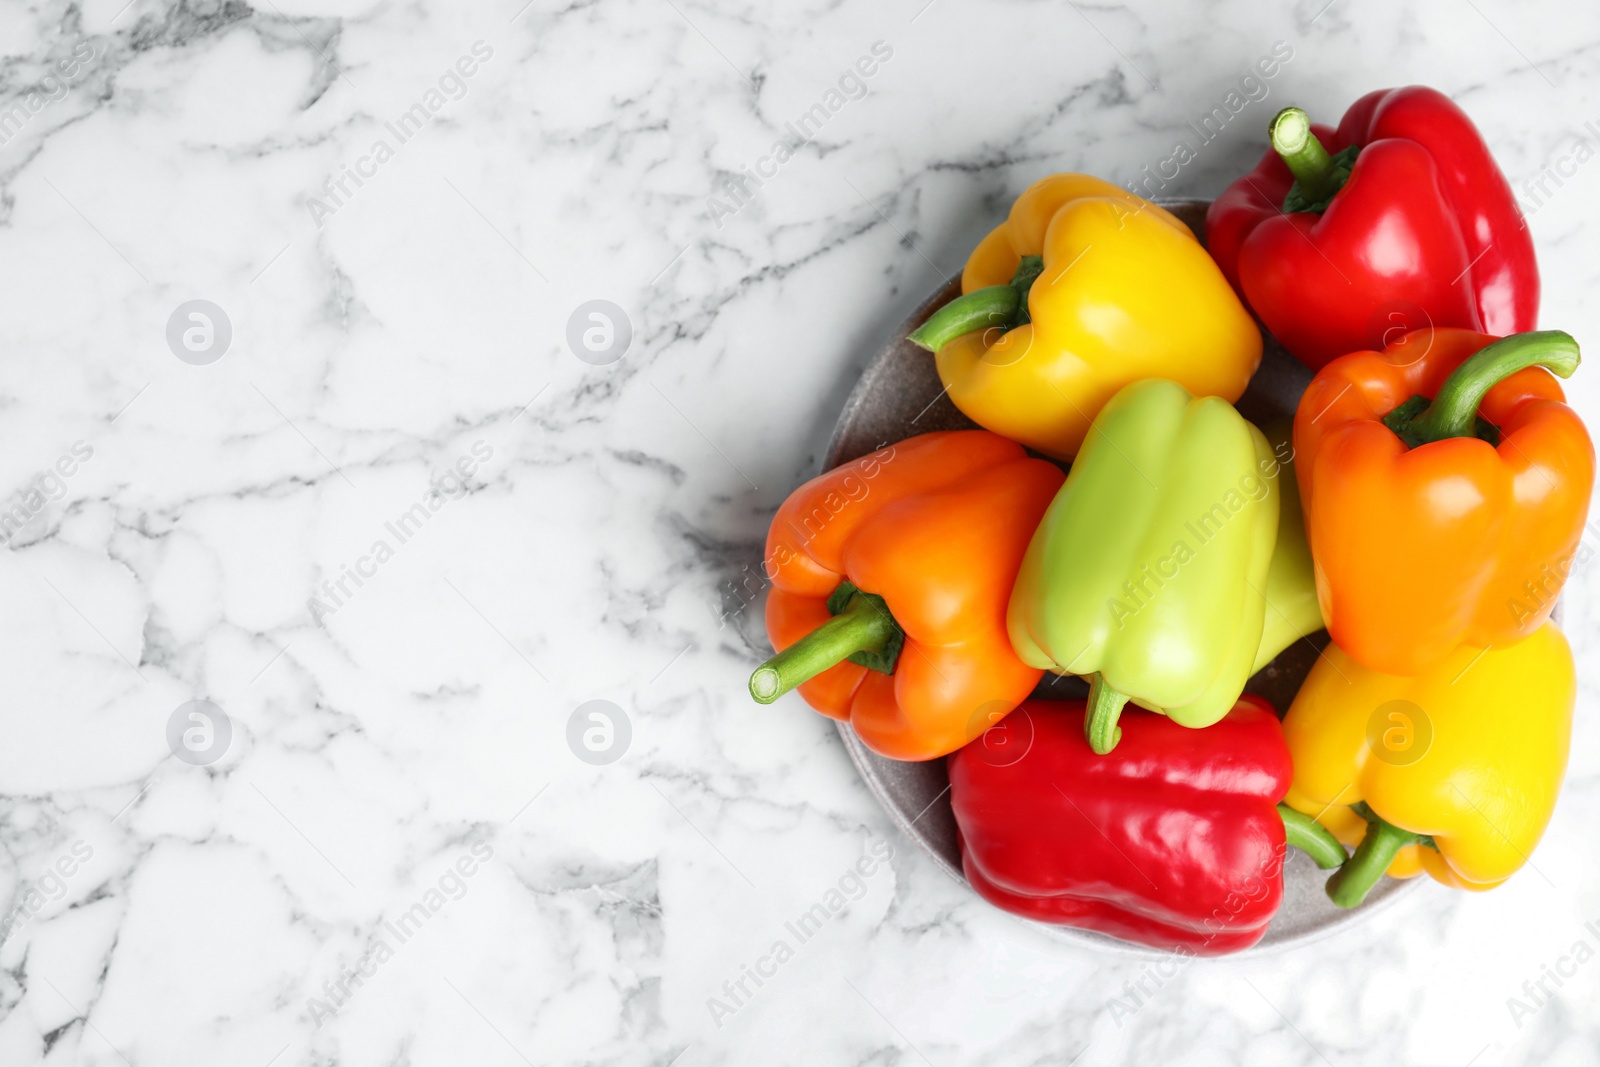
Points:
point(1445, 483)
point(890, 579)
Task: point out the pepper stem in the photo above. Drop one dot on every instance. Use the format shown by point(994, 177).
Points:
point(1454, 410)
point(1100, 719)
point(1005, 306)
point(1299, 148)
point(1352, 882)
point(862, 626)
point(977, 310)
point(1311, 837)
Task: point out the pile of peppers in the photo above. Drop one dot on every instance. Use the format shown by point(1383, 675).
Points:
point(1117, 519)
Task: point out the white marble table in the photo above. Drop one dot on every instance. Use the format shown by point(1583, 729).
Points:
point(398, 532)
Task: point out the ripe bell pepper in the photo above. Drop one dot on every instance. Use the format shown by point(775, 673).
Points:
point(890, 577)
point(1176, 840)
point(1400, 216)
point(1291, 588)
point(1454, 771)
point(1084, 288)
point(1455, 521)
point(1147, 572)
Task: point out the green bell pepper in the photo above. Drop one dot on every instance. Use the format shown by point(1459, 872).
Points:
point(1148, 571)
point(1291, 590)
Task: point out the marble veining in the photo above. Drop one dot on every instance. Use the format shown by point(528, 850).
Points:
point(424, 509)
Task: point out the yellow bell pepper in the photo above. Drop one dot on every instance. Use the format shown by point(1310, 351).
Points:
point(1454, 772)
point(1084, 289)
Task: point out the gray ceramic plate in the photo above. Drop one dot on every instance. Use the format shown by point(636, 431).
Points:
point(900, 395)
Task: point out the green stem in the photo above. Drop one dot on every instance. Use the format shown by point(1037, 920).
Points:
point(977, 310)
point(862, 626)
point(1028, 270)
point(1005, 306)
point(1311, 837)
point(1298, 147)
point(1352, 882)
point(1454, 410)
point(1100, 718)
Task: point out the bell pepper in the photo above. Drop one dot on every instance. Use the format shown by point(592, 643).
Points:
point(890, 577)
point(1083, 289)
point(1398, 217)
point(1291, 589)
point(1443, 522)
point(1147, 571)
point(1176, 840)
point(1454, 771)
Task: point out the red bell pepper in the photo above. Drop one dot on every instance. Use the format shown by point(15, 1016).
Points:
point(1399, 219)
point(1175, 839)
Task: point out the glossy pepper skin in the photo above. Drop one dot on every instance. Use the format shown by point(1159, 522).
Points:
point(1172, 841)
point(1470, 754)
point(1147, 572)
point(1424, 232)
point(1425, 535)
point(1084, 288)
point(1291, 588)
point(933, 528)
